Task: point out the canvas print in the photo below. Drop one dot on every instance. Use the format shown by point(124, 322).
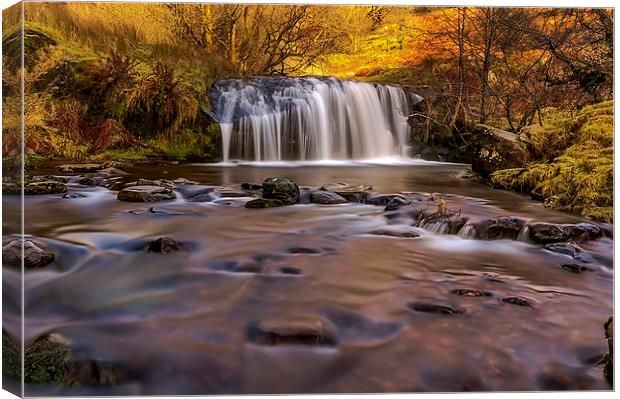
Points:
point(222, 198)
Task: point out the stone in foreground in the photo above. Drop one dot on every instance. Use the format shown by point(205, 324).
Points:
point(164, 245)
point(145, 194)
point(326, 198)
point(260, 203)
point(35, 253)
point(546, 233)
point(497, 149)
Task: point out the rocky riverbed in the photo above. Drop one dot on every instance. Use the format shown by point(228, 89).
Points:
point(197, 279)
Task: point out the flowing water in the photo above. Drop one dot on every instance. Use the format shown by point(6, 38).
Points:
point(310, 118)
point(182, 323)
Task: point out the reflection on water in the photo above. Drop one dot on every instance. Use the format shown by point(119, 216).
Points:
point(182, 323)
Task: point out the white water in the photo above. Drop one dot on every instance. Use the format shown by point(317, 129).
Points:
point(311, 119)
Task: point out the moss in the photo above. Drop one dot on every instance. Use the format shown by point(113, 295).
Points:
point(580, 178)
point(11, 358)
point(46, 361)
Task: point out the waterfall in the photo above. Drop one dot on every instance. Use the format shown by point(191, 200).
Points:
point(311, 118)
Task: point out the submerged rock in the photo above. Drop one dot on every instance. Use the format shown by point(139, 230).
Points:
point(145, 194)
point(546, 233)
point(284, 190)
point(293, 332)
point(471, 292)
point(291, 270)
point(500, 228)
point(582, 231)
point(575, 267)
point(608, 371)
point(263, 203)
point(164, 245)
point(432, 307)
point(35, 253)
point(518, 301)
point(189, 191)
point(396, 233)
point(352, 193)
point(355, 328)
point(566, 248)
point(326, 198)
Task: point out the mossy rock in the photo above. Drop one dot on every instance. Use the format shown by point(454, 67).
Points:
point(46, 361)
point(11, 358)
point(260, 203)
point(145, 194)
point(496, 149)
point(508, 179)
point(34, 40)
point(35, 254)
point(284, 190)
point(45, 187)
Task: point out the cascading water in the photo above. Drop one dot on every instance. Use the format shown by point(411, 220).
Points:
point(311, 118)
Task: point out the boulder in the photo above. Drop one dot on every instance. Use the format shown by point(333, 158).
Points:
point(145, 194)
point(499, 229)
point(35, 254)
point(442, 223)
point(264, 203)
point(546, 233)
point(608, 371)
point(582, 231)
point(496, 149)
point(46, 361)
point(80, 168)
point(284, 190)
point(35, 188)
point(326, 198)
point(352, 193)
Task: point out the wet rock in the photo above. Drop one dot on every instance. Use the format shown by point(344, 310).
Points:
point(46, 361)
point(145, 194)
point(442, 223)
point(513, 300)
point(608, 370)
point(293, 332)
point(504, 228)
point(352, 193)
point(396, 233)
point(251, 186)
point(111, 172)
point(11, 188)
point(35, 253)
point(471, 292)
point(122, 165)
point(159, 183)
point(396, 203)
point(11, 358)
point(582, 231)
point(496, 149)
point(189, 191)
point(36, 188)
point(284, 190)
point(74, 195)
point(566, 248)
point(264, 203)
point(164, 245)
point(354, 328)
point(575, 267)
point(230, 192)
point(205, 197)
point(93, 373)
point(546, 233)
point(80, 168)
point(92, 181)
point(382, 199)
point(290, 270)
point(326, 198)
point(432, 307)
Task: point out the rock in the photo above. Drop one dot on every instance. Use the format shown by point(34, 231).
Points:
point(496, 149)
point(11, 358)
point(45, 187)
point(46, 361)
point(92, 181)
point(230, 192)
point(382, 199)
point(80, 168)
point(358, 329)
point(471, 292)
point(93, 373)
point(206, 197)
point(566, 248)
point(326, 198)
point(517, 301)
point(111, 172)
point(441, 308)
point(290, 270)
point(122, 165)
point(546, 233)
point(608, 371)
point(159, 183)
point(316, 332)
point(442, 223)
point(11, 188)
point(35, 253)
point(499, 229)
point(575, 267)
point(145, 194)
point(396, 233)
point(303, 250)
point(284, 190)
point(396, 203)
point(352, 193)
point(164, 245)
point(74, 195)
point(263, 203)
point(582, 231)
point(192, 190)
